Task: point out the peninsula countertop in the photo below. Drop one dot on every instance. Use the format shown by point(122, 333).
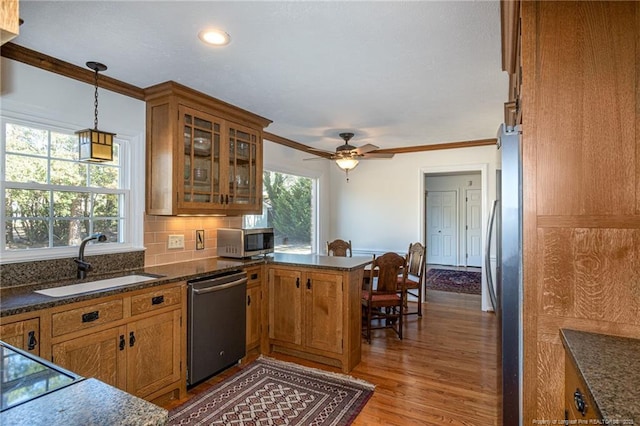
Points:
point(16, 300)
point(610, 367)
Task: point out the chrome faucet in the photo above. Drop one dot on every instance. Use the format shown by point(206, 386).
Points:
point(84, 267)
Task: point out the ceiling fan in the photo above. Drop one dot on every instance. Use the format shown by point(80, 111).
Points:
point(348, 156)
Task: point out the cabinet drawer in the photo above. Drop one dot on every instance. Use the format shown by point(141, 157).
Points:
point(154, 300)
point(254, 276)
point(86, 317)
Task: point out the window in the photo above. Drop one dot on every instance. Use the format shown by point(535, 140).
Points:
point(289, 208)
point(51, 199)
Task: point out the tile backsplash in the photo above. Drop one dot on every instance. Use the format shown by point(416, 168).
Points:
point(158, 228)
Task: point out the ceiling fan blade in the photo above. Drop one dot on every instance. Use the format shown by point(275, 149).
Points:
point(375, 155)
point(365, 148)
point(315, 158)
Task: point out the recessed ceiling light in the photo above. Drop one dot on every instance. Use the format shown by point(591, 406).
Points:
point(214, 37)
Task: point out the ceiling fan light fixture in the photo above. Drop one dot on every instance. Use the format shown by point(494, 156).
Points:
point(347, 163)
point(214, 37)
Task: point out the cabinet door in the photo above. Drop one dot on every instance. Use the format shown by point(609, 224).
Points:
point(199, 169)
point(253, 316)
point(244, 168)
point(153, 353)
point(285, 306)
point(99, 355)
point(323, 311)
point(22, 334)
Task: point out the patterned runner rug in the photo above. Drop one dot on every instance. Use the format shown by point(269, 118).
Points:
point(454, 281)
point(272, 392)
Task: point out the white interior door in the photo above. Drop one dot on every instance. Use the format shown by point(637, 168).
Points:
point(473, 227)
point(442, 229)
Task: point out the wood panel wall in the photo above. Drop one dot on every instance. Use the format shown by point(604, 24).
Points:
point(581, 192)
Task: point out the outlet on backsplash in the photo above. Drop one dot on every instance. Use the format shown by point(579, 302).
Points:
point(176, 242)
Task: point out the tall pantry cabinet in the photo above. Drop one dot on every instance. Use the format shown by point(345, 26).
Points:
point(579, 104)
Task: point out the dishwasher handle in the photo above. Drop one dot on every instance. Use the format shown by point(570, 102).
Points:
point(220, 287)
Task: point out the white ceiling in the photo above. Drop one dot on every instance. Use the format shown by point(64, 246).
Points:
point(395, 73)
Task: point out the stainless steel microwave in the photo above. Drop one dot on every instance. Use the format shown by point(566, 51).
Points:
point(239, 243)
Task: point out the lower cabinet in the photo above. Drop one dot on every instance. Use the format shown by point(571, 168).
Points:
point(311, 314)
point(135, 343)
point(254, 308)
point(23, 334)
point(579, 406)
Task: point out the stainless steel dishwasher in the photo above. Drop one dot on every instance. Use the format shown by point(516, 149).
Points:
point(217, 324)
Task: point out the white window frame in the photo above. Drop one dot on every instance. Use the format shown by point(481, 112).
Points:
point(132, 178)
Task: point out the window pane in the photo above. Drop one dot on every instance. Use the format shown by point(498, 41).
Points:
point(64, 146)
point(106, 205)
point(26, 169)
point(71, 204)
point(288, 208)
point(69, 232)
point(27, 203)
point(68, 173)
point(26, 234)
point(26, 140)
point(105, 176)
point(110, 228)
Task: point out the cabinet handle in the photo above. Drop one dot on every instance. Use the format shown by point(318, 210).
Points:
point(298, 282)
point(578, 399)
point(122, 343)
point(308, 283)
point(248, 300)
point(221, 199)
point(91, 316)
point(226, 199)
point(157, 300)
point(254, 276)
point(132, 339)
point(32, 342)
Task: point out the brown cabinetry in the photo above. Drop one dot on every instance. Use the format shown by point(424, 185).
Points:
point(312, 313)
point(23, 334)
point(578, 402)
point(9, 20)
point(203, 156)
point(254, 307)
point(133, 342)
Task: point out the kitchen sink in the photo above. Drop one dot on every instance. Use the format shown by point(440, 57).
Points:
point(70, 290)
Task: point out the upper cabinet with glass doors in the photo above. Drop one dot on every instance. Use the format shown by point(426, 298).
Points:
point(204, 156)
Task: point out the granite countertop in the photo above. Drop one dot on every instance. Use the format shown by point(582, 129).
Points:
point(610, 367)
point(20, 299)
point(87, 402)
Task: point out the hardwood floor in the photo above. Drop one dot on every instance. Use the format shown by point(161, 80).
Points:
point(442, 373)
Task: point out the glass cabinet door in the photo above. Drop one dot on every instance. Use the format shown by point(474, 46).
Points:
point(243, 166)
point(201, 153)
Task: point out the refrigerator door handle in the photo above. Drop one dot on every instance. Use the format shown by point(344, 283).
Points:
point(487, 257)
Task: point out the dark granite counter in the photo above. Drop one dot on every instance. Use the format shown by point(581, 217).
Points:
point(610, 367)
point(87, 402)
point(320, 262)
point(18, 299)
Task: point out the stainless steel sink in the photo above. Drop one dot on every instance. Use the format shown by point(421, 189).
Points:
point(70, 290)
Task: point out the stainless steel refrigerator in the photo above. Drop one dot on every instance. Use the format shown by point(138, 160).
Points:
point(505, 236)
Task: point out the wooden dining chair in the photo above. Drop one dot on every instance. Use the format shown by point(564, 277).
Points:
point(382, 296)
point(413, 282)
point(339, 248)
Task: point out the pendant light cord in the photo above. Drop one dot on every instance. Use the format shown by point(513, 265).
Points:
point(95, 103)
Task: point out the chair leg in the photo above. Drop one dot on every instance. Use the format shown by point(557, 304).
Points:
point(400, 322)
point(420, 299)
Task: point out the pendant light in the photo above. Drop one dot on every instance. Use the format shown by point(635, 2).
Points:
point(95, 145)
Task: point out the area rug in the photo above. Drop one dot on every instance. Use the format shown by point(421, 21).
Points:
point(454, 281)
point(273, 392)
